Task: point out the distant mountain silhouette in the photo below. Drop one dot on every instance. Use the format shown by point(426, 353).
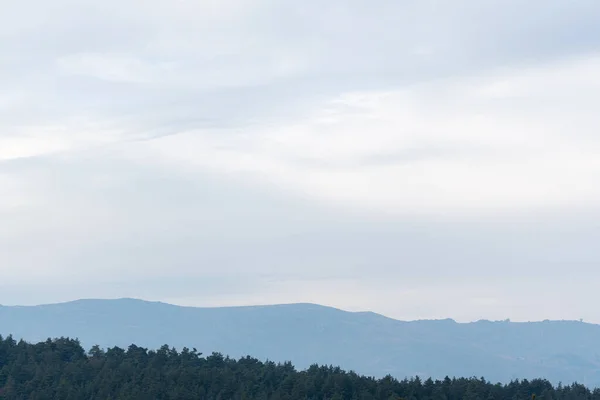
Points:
point(368, 343)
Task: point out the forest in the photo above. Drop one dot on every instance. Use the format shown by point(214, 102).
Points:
point(62, 369)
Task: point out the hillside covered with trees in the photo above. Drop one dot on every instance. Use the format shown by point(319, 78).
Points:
point(305, 334)
point(62, 369)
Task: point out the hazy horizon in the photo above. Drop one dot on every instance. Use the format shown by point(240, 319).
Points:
point(419, 160)
point(262, 305)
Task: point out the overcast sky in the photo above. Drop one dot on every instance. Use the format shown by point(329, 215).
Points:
point(421, 159)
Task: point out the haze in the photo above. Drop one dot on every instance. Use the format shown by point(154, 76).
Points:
point(418, 159)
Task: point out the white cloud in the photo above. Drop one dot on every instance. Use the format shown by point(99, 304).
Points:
point(296, 141)
point(112, 68)
point(77, 133)
point(516, 140)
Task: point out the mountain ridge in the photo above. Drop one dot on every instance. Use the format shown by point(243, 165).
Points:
point(308, 333)
point(309, 304)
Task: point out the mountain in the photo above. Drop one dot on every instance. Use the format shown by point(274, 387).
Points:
point(368, 343)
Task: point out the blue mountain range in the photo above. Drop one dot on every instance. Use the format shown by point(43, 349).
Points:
point(365, 342)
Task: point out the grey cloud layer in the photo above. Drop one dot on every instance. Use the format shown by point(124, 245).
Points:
point(92, 196)
point(150, 55)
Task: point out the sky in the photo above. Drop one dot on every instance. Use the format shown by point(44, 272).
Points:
point(420, 159)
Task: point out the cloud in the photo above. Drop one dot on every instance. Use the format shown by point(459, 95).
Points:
point(507, 140)
point(342, 153)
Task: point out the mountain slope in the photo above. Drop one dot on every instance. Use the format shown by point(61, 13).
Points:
point(306, 333)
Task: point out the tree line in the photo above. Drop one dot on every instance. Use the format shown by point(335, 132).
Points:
point(62, 369)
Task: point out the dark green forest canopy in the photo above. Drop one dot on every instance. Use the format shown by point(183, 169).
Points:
point(62, 369)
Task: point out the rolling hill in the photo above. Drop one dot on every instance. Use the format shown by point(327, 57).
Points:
point(368, 343)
